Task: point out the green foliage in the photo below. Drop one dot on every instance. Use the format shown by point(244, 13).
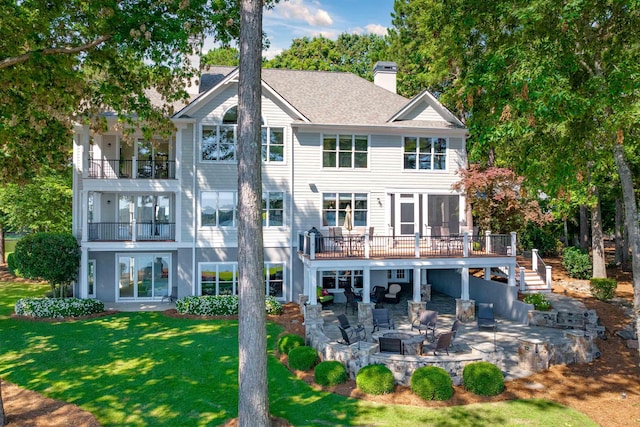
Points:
point(52, 257)
point(11, 264)
point(544, 239)
point(220, 305)
point(539, 301)
point(577, 263)
point(57, 307)
point(302, 358)
point(432, 383)
point(330, 373)
point(289, 341)
point(375, 379)
point(602, 288)
point(221, 56)
point(483, 378)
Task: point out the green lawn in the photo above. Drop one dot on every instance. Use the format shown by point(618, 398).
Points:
point(145, 369)
point(9, 246)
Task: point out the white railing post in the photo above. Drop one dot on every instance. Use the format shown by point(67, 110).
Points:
point(513, 243)
point(312, 245)
point(548, 278)
point(134, 230)
point(417, 245)
point(487, 235)
point(465, 244)
point(367, 240)
point(534, 259)
point(523, 284)
point(134, 167)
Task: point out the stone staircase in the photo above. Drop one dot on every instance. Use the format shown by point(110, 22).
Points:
point(533, 283)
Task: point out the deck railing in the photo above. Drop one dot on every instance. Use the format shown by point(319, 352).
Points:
point(124, 169)
point(317, 246)
point(136, 231)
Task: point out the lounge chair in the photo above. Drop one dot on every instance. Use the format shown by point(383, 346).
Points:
point(393, 293)
point(348, 339)
point(428, 320)
point(390, 345)
point(381, 319)
point(324, 300)
point(442, 342)
point(351, 331)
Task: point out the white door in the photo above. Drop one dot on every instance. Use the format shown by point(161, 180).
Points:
point(406, 214)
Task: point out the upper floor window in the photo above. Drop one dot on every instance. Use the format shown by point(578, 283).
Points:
point(344, 151)
point(425, 153)
point(218, 208)
point(334, 209)
point(272, 209)
point(272, 144)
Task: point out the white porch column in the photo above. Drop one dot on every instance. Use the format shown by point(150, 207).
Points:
point(534, 259)
point(487, 273)
point(83, 285)
point(313, 283)
point(487, 236)
point(512, 275)
point(366, 285)
point(305, 285)
point(464, 294)
point(513, 244)
point(416, 284)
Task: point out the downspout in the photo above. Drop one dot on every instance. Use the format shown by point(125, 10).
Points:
point(194, 282)
point(292, 238)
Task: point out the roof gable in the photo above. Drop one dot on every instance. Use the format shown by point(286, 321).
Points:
point(424, 107)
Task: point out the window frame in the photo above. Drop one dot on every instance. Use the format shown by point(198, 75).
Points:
point(217, 209)
point(434, 142)
point(234, 267)
point(266, 210)
point(266, 144)
point(338, 150)
point(339, 210)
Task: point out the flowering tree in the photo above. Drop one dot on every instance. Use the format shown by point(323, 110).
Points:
point(498, 199)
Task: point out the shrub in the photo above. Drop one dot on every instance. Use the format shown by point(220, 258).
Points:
point(58, 307)
point(483, 378)
point(302, 358)
point(219, 305)
point(11, 264)
point(539, 301)
point(330, 372)
point(432, 383)
point(375, 379)
point(544, 239)
point(287, 342)
point(603, 289)
point(577, 263)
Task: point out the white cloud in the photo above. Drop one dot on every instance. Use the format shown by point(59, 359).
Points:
point(376, 29)
point(298, 10)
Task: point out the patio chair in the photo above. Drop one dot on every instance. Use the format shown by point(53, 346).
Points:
point(357, 331)
point(442, 342)
point(390, 345)
point(381, 319)
point(393, 294)
point(428, 320)
point(454, 329)
point(377, 295)
point(352, 299)
point(335, 236)
point(348, 339)
point(486, 319)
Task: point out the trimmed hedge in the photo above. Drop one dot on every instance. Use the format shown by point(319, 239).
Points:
point(302, 358)
point(288, 341)
point(11, 264)
point(577, 263)
point(432, 383)
point(220, 305)
point(483, 378)
point(375, 379)
point(330, 372)
point(603, 289)
point(57, 307)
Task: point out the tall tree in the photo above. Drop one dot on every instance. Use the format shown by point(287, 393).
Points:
point(226, 56)
point(253, 403)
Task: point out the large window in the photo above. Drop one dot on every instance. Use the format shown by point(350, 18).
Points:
point(143, 275)
point(334, 209)
point(340, 279)
point(222, 278)
point(425, 153)
point(344, 151)
point(272, 209)
point(218, 208)
point(272, 144)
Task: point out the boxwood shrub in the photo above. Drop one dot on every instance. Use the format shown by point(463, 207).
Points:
point(11, 264)
point(603, 289)
point(330, 372)
point(302, 358)
point(483, 378)
point(219, 305)
point(375, 379)
point(577, 263)
point(57, 307)
point(539, 301)
point(288, 341)
point(432, 383)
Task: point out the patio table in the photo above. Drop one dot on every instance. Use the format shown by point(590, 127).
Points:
point(411, 341)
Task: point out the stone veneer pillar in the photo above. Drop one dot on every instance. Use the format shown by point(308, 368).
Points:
point(414, 309)
point(425, 292)
point(465, 310)
point(365, 317)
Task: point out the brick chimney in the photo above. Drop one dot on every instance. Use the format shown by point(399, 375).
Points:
point(384, 75)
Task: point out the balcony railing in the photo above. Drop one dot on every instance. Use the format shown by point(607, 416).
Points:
point(144, 169)
point(136, 231)
point(316, 246)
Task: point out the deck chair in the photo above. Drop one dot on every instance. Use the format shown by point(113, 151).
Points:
point(352, 331)
point(381, 319)
point(486, 318)
point(390, 345)
point(377, 295)
point(346, 338)
point(352, 299)
point(442, 342)
point(393, 294)
point(427, 320)
point(335, 236)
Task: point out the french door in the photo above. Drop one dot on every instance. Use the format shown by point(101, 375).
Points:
point(143, 276)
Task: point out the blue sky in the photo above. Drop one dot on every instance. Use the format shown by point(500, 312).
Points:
point(292, 19)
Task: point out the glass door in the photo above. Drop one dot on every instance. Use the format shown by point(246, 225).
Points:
point(91, 278)
point(143, 276)
point(406, 215)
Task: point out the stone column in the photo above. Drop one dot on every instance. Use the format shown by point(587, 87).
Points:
point(366, 285)
point(425, 292)
point(465, 310)
point(364, 314)
point(414, 309)
point(533, 354)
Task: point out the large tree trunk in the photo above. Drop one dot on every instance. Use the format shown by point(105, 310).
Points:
point(1, 406)
point(2, 242)
point(619, 233)
point(597, 238)
point(631, 222)
point(583, 239)
point(253, 403)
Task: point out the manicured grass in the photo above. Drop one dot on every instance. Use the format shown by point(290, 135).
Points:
point(145, 369)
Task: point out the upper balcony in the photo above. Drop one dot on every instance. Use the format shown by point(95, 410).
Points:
point(131, 169)
point(355, 246)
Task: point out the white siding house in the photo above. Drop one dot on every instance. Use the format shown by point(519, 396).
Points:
point(157, 218)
